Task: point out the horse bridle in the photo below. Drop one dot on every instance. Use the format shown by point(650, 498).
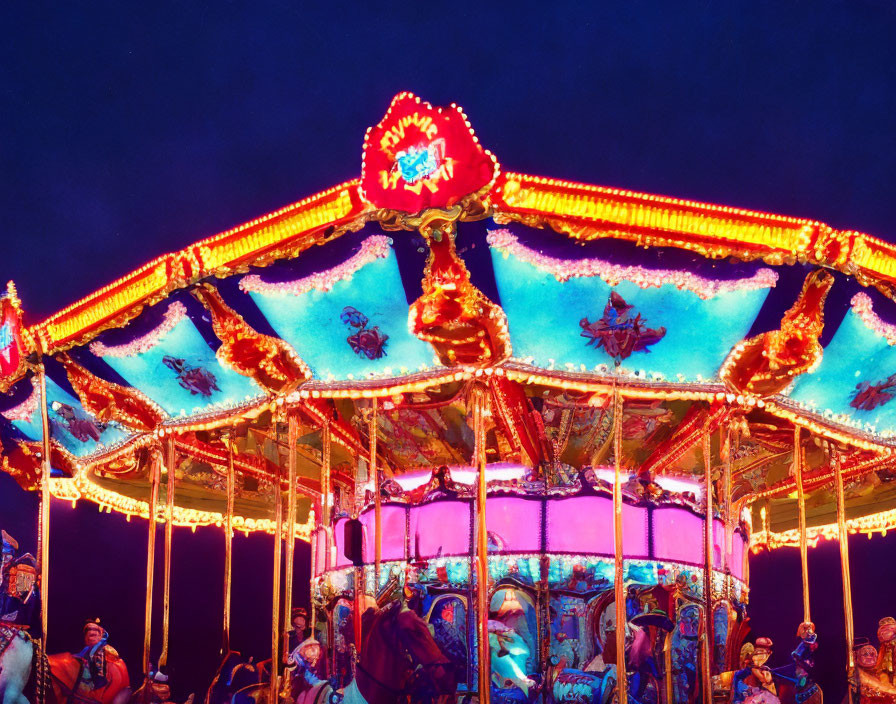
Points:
point(416, 663)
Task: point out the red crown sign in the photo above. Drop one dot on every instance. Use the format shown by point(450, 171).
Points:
point(421, 157)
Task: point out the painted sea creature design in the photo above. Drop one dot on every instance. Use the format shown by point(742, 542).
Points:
point(196, 380)
point(76, 423)
point(620, 331)
point(869, 396)
point(366, 341)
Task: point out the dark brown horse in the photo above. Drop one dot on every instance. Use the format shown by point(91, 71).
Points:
point(400, 656)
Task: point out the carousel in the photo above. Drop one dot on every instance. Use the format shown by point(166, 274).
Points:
point(530, 428)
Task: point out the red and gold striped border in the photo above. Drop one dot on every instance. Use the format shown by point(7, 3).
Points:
point(578, 210)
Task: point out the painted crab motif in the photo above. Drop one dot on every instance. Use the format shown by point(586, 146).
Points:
point(869, 396)
point(196, 380)
point(620, 331)
point(366, 341)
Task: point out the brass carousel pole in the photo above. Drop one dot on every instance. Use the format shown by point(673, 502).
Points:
point(325, 524)
point(484, 655)
point(801, 503)
point(618, 551)
point(843, 535)
point(169, 535)
point(44, 513)
point(228, 547)
point(155, 469)
point(377, 502)
point(708, 546)
point(278, 559)
point(293, 436)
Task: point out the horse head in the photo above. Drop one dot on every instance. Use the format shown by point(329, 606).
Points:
point(397, 643)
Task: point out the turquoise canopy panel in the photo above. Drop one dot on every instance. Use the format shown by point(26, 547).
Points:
point(349, 322)
point(174, 366)
point(70, 425)
point(856, 379)
point(585, 314)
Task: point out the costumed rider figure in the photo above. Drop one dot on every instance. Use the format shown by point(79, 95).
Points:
point(97, 656)
point(755, 683)
point(19, 595)
point(300, 630)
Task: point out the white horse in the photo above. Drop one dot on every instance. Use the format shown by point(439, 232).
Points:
point(15, 668)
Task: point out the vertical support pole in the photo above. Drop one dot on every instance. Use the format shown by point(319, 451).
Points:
point(801, 503)
point(44, 513)
point(725, 504)
point(228, 547)
point(313, 619)
point(708, 545)
point(358, 572)
point(292, 436)
point(325, 491)
point(169, 535)
point(618, 551)
point(844, 557)
point(377, 499)
point(155, 471)
point(479, 400)
point(275, 596)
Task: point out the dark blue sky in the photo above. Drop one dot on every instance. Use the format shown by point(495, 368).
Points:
point(132, 129)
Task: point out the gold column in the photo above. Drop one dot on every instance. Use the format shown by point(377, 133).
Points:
point(228, 546)
point(377, 501)
point(278, 542)
point(169, 534)
point(155, 471)
point(708, 545)
point(44, 513)
point(801, 503)
point(479, 401)
point(293, 436)
point(325, 491)
point(618, 551)
point(844, 556)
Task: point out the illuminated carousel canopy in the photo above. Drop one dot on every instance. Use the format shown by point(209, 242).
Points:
point(392, 295)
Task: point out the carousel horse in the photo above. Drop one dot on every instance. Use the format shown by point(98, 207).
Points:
point(220, 691)
point(67, 680)
point(597, 683)
point(399, 659)
point(15, 664)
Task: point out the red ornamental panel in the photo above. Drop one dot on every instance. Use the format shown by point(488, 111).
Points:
point(11, 346)
point(421, 157)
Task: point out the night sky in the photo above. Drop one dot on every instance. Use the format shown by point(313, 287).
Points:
point(132, 129)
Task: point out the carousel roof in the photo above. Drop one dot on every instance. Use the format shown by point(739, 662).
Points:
point(437, 270)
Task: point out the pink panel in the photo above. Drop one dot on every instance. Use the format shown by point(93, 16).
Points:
point(516, 522)
point(320, 546)
point(584, 525)
point(394, 527)
point(677, 535)
point(440, 528)
point(737, 556)
point(339, 534)
point(718, 541)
